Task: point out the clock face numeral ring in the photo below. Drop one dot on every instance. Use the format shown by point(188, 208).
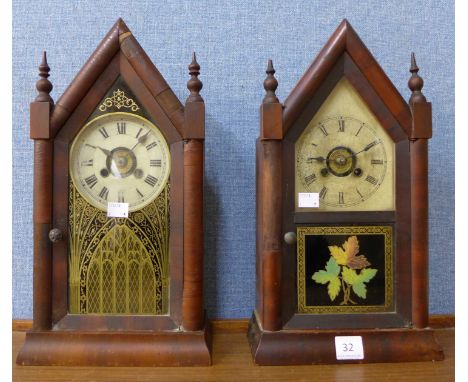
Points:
point(345, 161)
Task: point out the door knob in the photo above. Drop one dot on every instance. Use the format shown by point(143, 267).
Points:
point(55, 235)
point(290, 238)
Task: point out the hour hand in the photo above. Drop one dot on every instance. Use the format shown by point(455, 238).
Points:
point(318, 159)
point(107, 153)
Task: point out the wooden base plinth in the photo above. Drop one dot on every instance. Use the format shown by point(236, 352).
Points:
point(305, 347)
point(72, 348)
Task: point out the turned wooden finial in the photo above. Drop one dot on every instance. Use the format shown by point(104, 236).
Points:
point(415, 83)
point(194, 84)
point(43, 85)
point(270, 84)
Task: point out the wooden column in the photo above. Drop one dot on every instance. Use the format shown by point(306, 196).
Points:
point(194, 135)
point(421, 132)
point(270, 216)
point(40, 111)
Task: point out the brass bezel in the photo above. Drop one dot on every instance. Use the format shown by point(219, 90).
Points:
point(165, 148)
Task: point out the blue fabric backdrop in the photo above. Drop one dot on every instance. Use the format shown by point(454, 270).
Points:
point(233, 40)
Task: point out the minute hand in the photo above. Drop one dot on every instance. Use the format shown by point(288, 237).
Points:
point(141, 140)
point(368, 147)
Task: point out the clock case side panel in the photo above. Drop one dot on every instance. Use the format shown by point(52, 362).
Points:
point(133, 340)
point(268, 211)
point(268, 232)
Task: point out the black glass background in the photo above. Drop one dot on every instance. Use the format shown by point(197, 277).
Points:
point(317, 255)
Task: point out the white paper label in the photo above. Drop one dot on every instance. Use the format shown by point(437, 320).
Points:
point(308, 199)
point(349, 347)
point(117, 210)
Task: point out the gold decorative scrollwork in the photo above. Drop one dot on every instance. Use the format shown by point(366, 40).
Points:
point(117, 265)
point(119, 100)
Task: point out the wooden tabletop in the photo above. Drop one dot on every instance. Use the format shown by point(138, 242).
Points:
point(232, 362)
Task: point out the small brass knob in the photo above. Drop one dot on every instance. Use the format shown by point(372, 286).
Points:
point(290, 238)
point(55, 235)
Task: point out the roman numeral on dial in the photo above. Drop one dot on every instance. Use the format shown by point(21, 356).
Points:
point(151, 180)
point(323, 192)
point(359, 130)
point(91, 181)
point(155, 162)
point(88, 162)
point(121, 197)
point(322, 129)
point(341, 125)
point(371, 180)
point(121, 128)
point(310, 179)
point(151, 145)
point(376, 161)
point(104, 132)
point(359, 193)
point(104, 193)
point(340, 198)
point(139, 192)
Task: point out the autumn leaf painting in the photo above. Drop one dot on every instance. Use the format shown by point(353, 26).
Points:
point(347, 271)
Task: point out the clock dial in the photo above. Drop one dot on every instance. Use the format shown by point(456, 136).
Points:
point(345, 156)
point(120, 157)
point(343, 159)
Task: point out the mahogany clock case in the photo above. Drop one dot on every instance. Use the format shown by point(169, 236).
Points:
point(292, 325)
point(179, 337)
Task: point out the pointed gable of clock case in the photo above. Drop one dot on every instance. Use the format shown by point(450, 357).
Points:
point(327, 265)
point(345, 54)
point(120, 78)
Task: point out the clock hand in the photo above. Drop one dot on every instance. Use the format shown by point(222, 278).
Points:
point(113, 167)
point(141, 139)
point(337, 160)
point(318, 159)
point(107, 153)
point(367, 148)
